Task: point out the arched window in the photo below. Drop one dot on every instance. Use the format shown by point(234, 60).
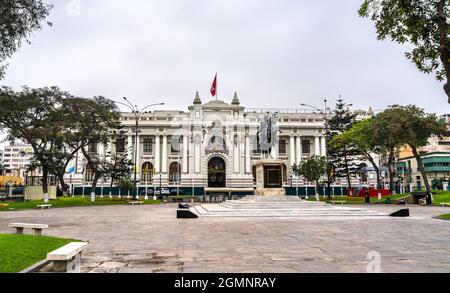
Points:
point(147, 173)
point(175, 172)
point(88, 174)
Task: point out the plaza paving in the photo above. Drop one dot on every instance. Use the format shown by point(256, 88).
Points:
point(150, 239)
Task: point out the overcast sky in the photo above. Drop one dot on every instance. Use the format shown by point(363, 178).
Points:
point(274, 53)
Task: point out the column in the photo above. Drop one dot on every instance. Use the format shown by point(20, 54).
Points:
point(197, 154)
point(157, 154)
point(138, 156)
point(101, 150)
point(317, 146)
point(292, 152)
point(248, 158)
point(164, 155)
point(299, 150)
point(242, 155)
point(130, 147)
point(236, 157)
point(185, 153)
point(191, 157)
point(324, 146)
point(109, 147)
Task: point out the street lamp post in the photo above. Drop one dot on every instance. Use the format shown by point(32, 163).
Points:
point(325, 113)
point(137, 114)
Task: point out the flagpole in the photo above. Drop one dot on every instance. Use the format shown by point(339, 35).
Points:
point(217, 87)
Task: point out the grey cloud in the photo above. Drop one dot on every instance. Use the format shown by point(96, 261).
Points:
point(275, 53)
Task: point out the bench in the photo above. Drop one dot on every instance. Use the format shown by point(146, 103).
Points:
point(36, 228)
point(44, 206)
point(445, 204)
point(337, 202)
point(423, 202)
point(136, 203)
point(68, 257)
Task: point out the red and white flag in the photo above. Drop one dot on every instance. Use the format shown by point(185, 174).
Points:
point(214, 87)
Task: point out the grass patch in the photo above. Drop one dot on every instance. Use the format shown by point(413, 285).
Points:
point(441, 197)
point(444, 217)
point(68, 202)
point(18, 252)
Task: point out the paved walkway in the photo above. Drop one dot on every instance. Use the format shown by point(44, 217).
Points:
point(151, 239)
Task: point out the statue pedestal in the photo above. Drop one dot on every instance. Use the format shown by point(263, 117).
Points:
point(269, 178)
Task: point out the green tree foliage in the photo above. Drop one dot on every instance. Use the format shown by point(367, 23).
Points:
point(90, 122)
point(360, 138)
point(125, 185)
point(18, 20)
point(415, 127)
point(343, 158)
point(117, 167)
point(28, 116)
point(424, 24)
point(313, 169)
point(407, 126)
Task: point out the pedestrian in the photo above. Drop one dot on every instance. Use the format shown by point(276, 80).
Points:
point(367, 196)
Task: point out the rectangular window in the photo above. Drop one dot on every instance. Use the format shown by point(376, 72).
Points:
point(92, 148)
point(176, 148)
point(148, 146)
point(283, 147)
point(306, 147)
point(120, 145)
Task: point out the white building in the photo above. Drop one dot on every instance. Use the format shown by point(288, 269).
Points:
point(16, 159)
point(213, 144)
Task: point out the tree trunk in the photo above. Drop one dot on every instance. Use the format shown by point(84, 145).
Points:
point(444, 48)
point(94, 186)
point(347, 172)
point(377, 169)
point(423, 173)
point(391, 162)
point(111, 187)
point(64, 186)
point(45, 184)
point(317, 190)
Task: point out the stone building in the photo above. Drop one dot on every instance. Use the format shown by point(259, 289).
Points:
point(213, 144)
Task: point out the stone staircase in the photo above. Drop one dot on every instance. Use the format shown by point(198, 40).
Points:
point(279, 207)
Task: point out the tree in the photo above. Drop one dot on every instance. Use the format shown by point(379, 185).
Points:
point(360, 138)
point(89, 122)
point(313, 169)
point(28, 116)
point(342, 158)
point(18, 19)
point(125, 185)
point(415, 128)
point(424, 24)
point(117, 167)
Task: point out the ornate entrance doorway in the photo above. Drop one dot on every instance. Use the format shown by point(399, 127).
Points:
point(217, 173)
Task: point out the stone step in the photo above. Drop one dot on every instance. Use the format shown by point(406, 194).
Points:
point(279, 207)
point(263, 206)
point(289, 215)
point(212, 209)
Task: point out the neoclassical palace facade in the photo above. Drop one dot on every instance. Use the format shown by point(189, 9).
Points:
point(213, 144)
